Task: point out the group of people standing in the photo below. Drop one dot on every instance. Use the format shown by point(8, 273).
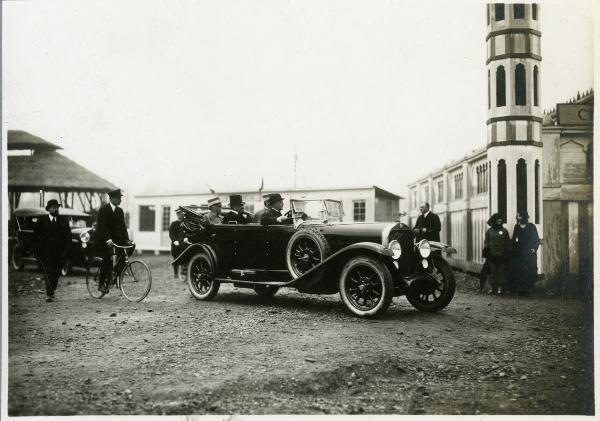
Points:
point(511, 263)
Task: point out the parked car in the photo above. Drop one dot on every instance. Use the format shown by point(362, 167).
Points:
point(21, 240)
point(366, 263)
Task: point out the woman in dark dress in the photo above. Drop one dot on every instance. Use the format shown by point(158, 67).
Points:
point(497, 251)
point(525, 243)
point(175, 234)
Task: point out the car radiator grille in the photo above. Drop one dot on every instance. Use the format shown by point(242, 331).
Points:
point(406, 240)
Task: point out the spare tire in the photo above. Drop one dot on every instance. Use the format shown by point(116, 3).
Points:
point(306, 249)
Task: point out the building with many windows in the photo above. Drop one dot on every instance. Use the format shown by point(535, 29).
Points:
point(533, 161)
point(151, 214)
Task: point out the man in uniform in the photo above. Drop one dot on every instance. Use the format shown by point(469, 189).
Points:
point(258, 215)
point(176, 236)
point(272, 215)
point(111, 230)
point(213, 217)
point(428, 224)
point(52, 238)
point(237, 214)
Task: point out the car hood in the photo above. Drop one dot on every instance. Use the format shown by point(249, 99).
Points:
point(343, 234)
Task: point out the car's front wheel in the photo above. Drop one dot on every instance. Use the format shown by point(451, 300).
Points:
point(366, 286)
point(440, 297)
point(201, 277)
point(16, 259)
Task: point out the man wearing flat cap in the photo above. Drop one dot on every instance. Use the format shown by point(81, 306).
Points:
point(111, 230)
point(258, 215)
point(237, 215)
point(52, 238)
point(213, 217)
point(272, 215)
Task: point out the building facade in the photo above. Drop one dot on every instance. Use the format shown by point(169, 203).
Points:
point(531, 162)
point(151, 214)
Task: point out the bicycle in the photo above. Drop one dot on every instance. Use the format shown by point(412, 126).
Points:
point(134, 279)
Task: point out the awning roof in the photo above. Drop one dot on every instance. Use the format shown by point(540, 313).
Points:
point(48, 170)
point(20, 140)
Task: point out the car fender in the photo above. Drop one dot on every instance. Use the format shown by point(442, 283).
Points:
point(437, 245)
point(193, 249)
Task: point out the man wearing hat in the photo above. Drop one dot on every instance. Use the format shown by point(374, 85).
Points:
point(258, 215)
point(272, 215)
point(52, 238)
point(111, 230)
point(237, 214)
point(213, 217)
point(176, 236)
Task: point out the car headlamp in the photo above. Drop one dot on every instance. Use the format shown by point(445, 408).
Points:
point(84, 237)
point(424, 248)
point(396, 249)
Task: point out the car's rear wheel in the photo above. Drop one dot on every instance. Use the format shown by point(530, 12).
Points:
point(366, 286)
point(306, 249)
point(201, 277)
point(438, 298)
point(266, 290)
point(16, 259)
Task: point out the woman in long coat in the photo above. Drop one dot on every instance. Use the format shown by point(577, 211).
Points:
point(497, 251)
point(525, 243)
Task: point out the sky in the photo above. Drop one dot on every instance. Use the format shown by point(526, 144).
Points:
point(163, 96)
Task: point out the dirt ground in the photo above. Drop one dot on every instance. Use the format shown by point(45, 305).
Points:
point(292, 353)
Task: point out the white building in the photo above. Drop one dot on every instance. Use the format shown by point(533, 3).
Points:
point(151, 214)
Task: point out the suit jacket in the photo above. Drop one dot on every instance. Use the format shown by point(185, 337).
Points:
point(269, 217)
point(52, 242)
point(238, 217)
point(258, 215)
point(432, 226)
point(176, 234)
point(111, 225)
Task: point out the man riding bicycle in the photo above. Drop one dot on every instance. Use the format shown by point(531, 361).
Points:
point(111, 230)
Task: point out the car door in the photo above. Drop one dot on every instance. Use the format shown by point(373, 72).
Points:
point(250, 246)
point(276, 241)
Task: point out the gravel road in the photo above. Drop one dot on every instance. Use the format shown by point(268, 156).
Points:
point(292, 353)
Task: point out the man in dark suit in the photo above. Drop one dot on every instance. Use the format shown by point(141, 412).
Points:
point(52, 238)
point(272, 215)
point(428, 224)
point(237, 215)
point(176, 236)
point(111, 230)
point(258, 215)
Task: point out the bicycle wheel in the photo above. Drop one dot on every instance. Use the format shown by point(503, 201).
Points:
point(92, 278)
point(136, 281)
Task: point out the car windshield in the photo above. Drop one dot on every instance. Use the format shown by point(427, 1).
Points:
point(79, 222)
point(320, 210)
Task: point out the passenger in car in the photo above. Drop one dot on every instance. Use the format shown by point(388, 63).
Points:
point(258, 215)
point(213, 217)
point(272, 215)
point(237, 215)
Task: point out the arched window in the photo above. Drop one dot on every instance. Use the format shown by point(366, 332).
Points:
point(519, 11)
point(502, 188)
point(500, 87)
point(489, 91)
point(499, 12)
point(534, 11)
point(535, 86)
point(537, 191)
point(520, 85)
point(521, 186)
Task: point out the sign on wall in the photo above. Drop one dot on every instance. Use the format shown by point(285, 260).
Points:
point(575, 114)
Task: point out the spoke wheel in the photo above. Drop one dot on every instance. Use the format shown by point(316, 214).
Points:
point(17, 258)
point(92, 278)
point(366, 286)
point(307, 248)
point(201, 278)
point(135, 281)
point(439, 297)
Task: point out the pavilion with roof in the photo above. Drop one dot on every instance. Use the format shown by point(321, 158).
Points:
point(36, 166)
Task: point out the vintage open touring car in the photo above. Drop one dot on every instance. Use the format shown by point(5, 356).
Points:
point(21, 239)
point(366, 263)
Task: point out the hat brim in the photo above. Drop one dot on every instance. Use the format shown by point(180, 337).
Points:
point(236, 204)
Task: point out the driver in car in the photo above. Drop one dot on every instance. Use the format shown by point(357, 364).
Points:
point(272, 215)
